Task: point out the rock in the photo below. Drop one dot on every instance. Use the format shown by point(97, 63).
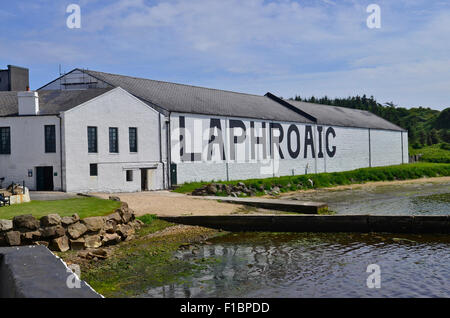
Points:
point(25, 222)
point(78, 244)
point(241, 184)
point(60, 244)
point(110, 226)
point(98, 253)
point(94, 223)
point(6, 225)
point(13, 238)
point(31, 236)
point(82, 254)
point(111, 239)
point(68, 220)
point(53, 231)
point(126, 214)
point(114, 198)
point(211, 189)
point(125, 230)
point(92, 241)
point(275, 189)
point(135, 224)
point(45, 243)
point(50, 220)
point(76, 230)
point(115, 216)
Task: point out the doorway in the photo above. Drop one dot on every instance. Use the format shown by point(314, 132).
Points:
point(147, 179)
point(44, 178)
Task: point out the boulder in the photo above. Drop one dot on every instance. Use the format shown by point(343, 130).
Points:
point(114, 198)
point(76, 230)
point(92, 241)
point(99, 253)
point(111, 239)
point(115, 216)
point(77, 244)
point(110, 226)
point(94, 223)
point(53, 231)
point(136, 225)
point(13, 238)
point(60, 244)
point(25, 222)
point(126, 214)
point(125, 230)
point(68, 220)
point(31, 236)
point(6, 225)
point(50, 220)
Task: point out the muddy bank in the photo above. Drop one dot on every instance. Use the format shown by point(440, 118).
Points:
point(147, 261)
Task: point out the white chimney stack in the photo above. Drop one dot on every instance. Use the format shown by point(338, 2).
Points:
point(28, 103)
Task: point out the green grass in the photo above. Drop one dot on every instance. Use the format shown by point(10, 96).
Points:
point(85, 207)
point(322, 180)
point(438, 153)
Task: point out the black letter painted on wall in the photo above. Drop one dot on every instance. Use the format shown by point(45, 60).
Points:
point(276, 140)
point(215, 139)
point(236, 139)
point(319, 129)
point(330, 131)
point(185, 156)
point(309, 141)
point(292, 153)
point(262, 140)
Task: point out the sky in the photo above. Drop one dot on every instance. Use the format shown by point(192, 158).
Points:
point(286, 47)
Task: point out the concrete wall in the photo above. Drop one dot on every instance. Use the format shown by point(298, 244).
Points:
point(28, 150)
point(116, 108)
point(202, 154)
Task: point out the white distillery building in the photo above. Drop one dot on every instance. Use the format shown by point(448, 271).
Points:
point(91, 131)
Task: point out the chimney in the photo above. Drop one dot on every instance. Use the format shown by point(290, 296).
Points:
point(28, 103)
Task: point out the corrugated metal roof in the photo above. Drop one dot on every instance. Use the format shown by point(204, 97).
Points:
point(342, 116)
point(51, 102)
point(199, 100)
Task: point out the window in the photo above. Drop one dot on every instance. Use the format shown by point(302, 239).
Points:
point(92, 139)
point(5, 140)
point(113, 140)
point(93, 170)
point(50, 138)
point(129, 175)
point(133, 139)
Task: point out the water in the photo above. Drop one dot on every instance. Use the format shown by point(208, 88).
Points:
point(404, 199)
point(329, 265)
point(317, 265)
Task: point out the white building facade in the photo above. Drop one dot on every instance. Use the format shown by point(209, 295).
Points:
point(89, 131)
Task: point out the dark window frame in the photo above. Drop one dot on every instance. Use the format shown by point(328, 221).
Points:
point(133, 139)
point(5, 145)
point(92, 143)
point(93, 170)
point(113, 140)
point(50, 138)
point(129, 175)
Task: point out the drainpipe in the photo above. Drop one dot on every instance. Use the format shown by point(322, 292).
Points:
point(60, 151)
point(168, 151)
point(160, 150)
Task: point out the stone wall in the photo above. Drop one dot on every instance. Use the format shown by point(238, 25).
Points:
point(64, 233)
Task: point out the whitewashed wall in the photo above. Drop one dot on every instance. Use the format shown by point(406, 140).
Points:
point(28, 150)
point(71, 81)
point(116, 108)
point(351, 150)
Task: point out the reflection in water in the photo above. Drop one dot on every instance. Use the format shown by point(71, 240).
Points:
point(317, 265)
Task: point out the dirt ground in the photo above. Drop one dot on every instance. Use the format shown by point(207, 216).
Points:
point(166, 203)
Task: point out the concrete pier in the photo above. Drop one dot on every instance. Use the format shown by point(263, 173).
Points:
point(320, 223)
point(304, 207)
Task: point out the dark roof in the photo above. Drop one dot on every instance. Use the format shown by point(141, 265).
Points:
point(342, 116)
point(182, 98)
point(51, 102)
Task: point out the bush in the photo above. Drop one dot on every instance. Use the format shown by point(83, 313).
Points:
point(147, 218)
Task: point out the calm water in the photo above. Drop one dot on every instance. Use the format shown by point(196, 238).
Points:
point(329, 265)
point(406, 199)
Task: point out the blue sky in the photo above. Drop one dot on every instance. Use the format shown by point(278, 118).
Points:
point(287, 47)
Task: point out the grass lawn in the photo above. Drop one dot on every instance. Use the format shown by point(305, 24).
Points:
point(323, 180)
point(434, 153)
point(85, 207)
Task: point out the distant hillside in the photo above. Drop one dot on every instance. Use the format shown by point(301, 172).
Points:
point(425, 126)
